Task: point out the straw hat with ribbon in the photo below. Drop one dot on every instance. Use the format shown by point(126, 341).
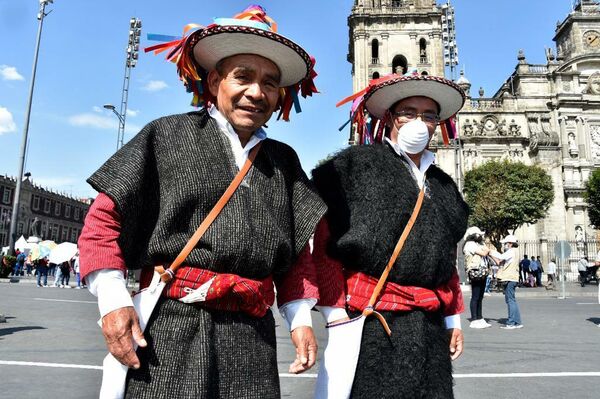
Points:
point(249, 32)
point(370, 105)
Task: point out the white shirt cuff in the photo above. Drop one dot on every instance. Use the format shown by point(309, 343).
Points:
point(452, 321)
point(297, 313)
point(331, 314)
point(111, 289)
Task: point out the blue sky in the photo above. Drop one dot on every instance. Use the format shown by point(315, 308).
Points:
point(82, 58)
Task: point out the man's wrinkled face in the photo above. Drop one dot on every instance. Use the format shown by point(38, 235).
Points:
point(247, 89)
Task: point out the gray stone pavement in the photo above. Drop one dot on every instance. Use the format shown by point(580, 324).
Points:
point(58, 326)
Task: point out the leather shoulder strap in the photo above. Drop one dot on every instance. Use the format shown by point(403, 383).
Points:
point(413, 217)
point(168, 274)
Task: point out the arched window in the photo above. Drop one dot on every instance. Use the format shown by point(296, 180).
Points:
point(423, 51)
point(424, 73)
point(375, 75)
point(375, 51)
point(399, 65)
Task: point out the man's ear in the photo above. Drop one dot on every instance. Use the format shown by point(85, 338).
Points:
point(387, 119)
point(213, 80)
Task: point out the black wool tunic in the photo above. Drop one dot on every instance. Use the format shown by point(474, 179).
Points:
point(164, 182)
point(371, 193)
point(167, 179)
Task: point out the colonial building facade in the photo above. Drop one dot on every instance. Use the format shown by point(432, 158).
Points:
point(57, 217)
point(546, 114)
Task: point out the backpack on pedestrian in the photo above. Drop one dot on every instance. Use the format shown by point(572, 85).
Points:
point(477, 267)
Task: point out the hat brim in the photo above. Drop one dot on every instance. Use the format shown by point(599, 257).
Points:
point(215, 43)
point(449, 96)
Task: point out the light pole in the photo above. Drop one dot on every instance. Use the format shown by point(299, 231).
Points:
point(133, 47)
point(121, 121)
point(17, 197)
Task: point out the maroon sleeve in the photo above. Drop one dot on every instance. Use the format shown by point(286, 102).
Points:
point(300, 281)
point(98, 246)
point(330, 276)
point(451, 297)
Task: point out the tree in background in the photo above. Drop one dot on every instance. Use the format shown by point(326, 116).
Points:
point(505, 195)
point(592, 197)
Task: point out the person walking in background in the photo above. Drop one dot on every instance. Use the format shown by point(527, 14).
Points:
point(551, 273)
point(76, 271)
point(509, 275)
point(28, 265)
point(42, 272)
point(65, 275)
point(523, 269)
point(19, 264)
point(582, 267)
point(540, 270)
point(57, 274)
point(532, 273)
point(477, 269)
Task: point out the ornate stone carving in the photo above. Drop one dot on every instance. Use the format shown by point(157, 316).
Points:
point(514, 129)
point(593, 84)
point(572, 143)
point(470, 158)
point(595, 141)
point(467, 128)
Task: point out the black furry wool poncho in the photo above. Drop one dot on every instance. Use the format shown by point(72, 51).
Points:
point(370, 193)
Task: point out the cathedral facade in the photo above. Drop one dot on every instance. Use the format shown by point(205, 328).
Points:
point(544, 114)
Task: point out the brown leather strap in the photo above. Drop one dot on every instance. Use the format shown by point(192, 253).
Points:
point(168, 274)
point(369, 309)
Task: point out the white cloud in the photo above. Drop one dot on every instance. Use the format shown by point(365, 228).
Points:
point(155, 85)
point(10, 73)
point(7, 124)
point(132, 112)
point(94, 120)
point(97, 109)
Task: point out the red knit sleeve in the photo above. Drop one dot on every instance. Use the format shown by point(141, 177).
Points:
point(451, 297)
point(330, 276)
point(98, 246)
point(300, 282)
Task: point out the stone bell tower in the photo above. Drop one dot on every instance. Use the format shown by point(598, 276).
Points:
point(394, 36)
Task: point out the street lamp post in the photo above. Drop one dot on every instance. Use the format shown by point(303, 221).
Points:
point(17, 197)
point(133, 47)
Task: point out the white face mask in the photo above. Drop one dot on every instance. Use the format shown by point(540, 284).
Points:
point(413, 136)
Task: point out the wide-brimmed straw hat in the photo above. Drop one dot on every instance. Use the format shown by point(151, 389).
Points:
point(370, 105)
point(250, 32)
point(447, 94)
point(234, 36)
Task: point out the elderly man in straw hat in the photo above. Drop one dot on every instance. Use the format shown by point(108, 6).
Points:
point(374, 195)
point(156, 191)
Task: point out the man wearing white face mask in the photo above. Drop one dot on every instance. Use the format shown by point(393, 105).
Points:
point(371, 192)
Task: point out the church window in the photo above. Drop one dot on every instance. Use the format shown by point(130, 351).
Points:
point(375, 51)
point(424, 73)
point(375, 75)
point(423, 51)
point(399, 65)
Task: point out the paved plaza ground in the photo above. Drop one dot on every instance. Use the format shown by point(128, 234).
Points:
point(52, 348)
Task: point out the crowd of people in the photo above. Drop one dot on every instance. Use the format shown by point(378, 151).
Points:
point(485, 267)
point(42, 268)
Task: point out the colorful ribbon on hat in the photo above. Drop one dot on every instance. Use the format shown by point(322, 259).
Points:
point(194, 77)
point(371, 129)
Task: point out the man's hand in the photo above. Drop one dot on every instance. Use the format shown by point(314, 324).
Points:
point(120, 328)
point(456, 342)
point(305, 342)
